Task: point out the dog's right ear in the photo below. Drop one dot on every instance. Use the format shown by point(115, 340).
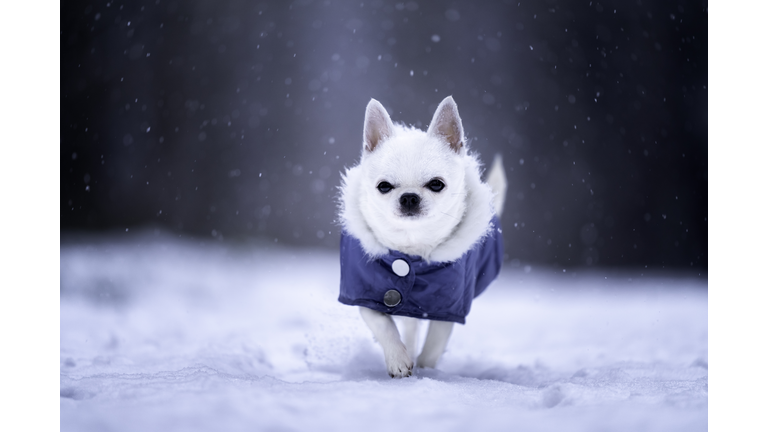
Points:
point(378, 126)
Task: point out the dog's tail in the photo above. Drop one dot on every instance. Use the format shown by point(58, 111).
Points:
point(497, 180)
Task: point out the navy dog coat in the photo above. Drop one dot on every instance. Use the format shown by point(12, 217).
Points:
point(400, 284)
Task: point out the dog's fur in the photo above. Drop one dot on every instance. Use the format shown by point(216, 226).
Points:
point(439, 226)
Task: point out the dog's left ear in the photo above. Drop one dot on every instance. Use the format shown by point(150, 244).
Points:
point(446, 124)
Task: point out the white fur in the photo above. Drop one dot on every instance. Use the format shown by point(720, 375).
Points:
point(399, 363)
point(448, 224)
point(497, 180)
point(454, 220)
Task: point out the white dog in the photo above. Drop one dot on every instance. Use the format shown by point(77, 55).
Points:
point(421, 234)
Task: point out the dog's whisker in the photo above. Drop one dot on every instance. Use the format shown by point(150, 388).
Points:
point(447, 214)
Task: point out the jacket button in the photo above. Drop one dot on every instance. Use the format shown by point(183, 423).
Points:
point(392, 298)
point(400, 267)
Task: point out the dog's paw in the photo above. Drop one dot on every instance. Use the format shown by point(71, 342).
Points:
point(426, 362)
point(428, 358)
point(399, 363)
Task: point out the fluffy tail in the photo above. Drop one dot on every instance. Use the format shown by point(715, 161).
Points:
point(497, 180)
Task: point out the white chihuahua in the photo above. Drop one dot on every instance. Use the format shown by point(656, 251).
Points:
point(421, 234)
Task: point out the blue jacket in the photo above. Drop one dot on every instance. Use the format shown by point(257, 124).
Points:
point(436, 291)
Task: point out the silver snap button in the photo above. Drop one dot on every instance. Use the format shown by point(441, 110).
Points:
point(400, 267)
point(392, 298)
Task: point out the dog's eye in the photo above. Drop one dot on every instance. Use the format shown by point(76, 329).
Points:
point(384, 187)
point(436, 185)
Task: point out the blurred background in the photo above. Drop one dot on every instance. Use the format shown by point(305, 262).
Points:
point(232, 120)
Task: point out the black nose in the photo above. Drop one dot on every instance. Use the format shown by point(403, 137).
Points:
point(409, 201)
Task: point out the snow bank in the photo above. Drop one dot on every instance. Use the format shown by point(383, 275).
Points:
point(164, 334)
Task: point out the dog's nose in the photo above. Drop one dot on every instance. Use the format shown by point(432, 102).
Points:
point(409, 201)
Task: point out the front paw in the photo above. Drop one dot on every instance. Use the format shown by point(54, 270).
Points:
point(399, 363)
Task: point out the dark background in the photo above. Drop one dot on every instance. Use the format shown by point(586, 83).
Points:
point(233, 119)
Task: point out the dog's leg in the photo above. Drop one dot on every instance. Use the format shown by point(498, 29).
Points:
point(410, 328)
point(399, 363)
point(434, 346)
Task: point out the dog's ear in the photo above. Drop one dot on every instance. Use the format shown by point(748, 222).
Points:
point(378, 126)
point(446, 124)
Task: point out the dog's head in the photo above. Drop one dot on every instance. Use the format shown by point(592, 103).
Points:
point(413, 193)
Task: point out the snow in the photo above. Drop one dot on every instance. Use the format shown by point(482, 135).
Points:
point(160, 333)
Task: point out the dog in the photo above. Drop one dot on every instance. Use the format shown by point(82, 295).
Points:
point(420, 232)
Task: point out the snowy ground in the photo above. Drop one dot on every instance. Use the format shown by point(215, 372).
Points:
point(165, 334)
